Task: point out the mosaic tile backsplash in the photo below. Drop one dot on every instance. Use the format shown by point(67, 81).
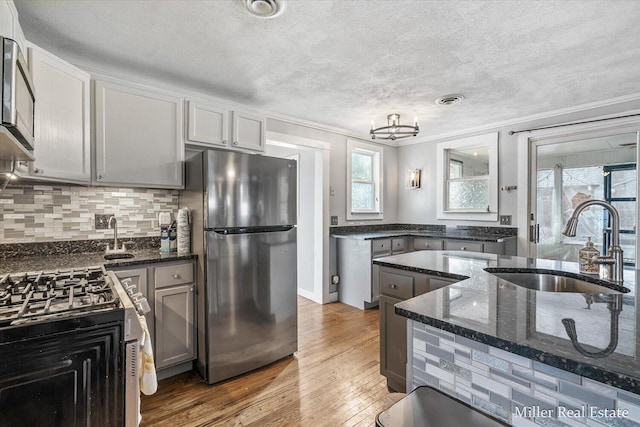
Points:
point(521, 392)
point(43, 213)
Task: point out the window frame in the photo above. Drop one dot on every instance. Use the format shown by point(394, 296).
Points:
point(376, 154)
point(443, 212)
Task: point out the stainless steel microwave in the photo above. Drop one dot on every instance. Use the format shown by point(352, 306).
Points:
point(18, 100)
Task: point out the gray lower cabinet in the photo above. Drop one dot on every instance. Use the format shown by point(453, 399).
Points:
point(397, 286)
point(175, 332)
point(175, 313)
point(427, 244)
point(170, 289)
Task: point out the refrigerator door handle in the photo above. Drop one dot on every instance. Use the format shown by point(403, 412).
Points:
point(251, 230)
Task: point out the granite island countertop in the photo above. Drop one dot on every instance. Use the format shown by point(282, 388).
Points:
point(526, 322)
point(77, 260)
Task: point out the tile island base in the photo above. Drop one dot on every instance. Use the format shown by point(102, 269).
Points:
point(510, 387)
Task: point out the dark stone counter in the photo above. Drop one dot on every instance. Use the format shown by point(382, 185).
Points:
point(487, 234)
point(492, 311)
point(77, 260)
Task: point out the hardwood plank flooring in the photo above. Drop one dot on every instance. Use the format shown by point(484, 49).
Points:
point(332, 380)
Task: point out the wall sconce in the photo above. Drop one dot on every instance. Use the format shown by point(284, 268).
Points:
point(414, 178)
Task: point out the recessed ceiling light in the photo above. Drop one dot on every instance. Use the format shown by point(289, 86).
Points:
point(263, 8)
point(450, 99)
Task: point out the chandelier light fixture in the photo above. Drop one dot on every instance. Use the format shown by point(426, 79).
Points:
point(394, 130)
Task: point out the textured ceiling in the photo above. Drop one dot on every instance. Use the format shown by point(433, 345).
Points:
point(344, 63)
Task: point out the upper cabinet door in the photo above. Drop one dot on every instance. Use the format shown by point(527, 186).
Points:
point(138, 136)
point(248, 131)
point(207, 124)
point(62, 138)
point(10, 26)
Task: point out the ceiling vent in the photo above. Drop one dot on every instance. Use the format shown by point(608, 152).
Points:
point(450, 99)
point(263, 8)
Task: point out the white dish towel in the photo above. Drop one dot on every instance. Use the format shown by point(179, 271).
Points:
point(148, 378)
point(146, 365)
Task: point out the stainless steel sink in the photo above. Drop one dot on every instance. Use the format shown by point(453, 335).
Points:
point(548, 281)
point(122, 255)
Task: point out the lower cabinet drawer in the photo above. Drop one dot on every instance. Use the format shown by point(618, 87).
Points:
point(380, 247)
point(463, 245)
point(396, 285)
point(421, 244)
point(398, 245)
point(174, 274)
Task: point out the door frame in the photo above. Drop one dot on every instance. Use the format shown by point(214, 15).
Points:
point(528, 142)
point(321, 293)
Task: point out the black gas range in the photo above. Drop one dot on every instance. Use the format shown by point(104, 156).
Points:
point(68, 349)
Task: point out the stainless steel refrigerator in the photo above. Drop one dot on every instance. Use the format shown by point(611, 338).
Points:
point(243, 209)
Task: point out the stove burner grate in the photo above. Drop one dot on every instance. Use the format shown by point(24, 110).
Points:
point(26, 297)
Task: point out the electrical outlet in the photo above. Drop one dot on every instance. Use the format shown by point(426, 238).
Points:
point(505, 219)
point(334, 220)
point(102, 221)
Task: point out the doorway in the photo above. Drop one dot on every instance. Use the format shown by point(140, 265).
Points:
point(570, 169)
point(312, 158)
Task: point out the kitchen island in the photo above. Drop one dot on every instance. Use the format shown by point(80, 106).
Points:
point(504, 349)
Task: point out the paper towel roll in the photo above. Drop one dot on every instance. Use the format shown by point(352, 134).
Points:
point(184, 230)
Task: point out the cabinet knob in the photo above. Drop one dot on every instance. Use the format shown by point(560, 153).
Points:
point(464, 248)
point(36, 170)
point(235, 142)
point(427, 246)
point(176, 276)
point(224, 141)
point(393, 286)
point(99, 176)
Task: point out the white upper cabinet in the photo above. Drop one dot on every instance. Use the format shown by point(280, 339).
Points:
point(207, 124)
point(62, 138)
point(248, 131)
point(9, 25)
point(138, 136)
point(219, 126)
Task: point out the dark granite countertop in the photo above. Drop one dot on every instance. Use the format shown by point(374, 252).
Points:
point(451, 234)
point(526, 322)
point(75, 260)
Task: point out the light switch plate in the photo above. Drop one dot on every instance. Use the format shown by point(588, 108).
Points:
point(505, 219)
point(334, 220)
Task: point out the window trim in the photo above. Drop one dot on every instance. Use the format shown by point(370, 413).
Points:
point(375, 152)
point(490, 141)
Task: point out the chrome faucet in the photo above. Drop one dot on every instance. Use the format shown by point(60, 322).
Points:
point(115, 237)
point(611, 266)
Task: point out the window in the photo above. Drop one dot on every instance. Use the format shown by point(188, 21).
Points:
point(364, 195)
point(467, 171)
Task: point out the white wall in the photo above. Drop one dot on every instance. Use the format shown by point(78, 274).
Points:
point(338, 178)
point(309, 269)
point(419, 205)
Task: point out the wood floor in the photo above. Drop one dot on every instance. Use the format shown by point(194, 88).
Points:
point(333, 380)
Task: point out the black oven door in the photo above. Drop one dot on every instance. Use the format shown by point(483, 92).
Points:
point(70, 378)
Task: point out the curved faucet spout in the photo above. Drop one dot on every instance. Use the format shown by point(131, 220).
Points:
point(115, 231)
point(611, 265)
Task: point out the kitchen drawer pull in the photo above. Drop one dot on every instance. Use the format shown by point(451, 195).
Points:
point(393, 286)
point(464, 248)
point(176, 276)
point(427, 246)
